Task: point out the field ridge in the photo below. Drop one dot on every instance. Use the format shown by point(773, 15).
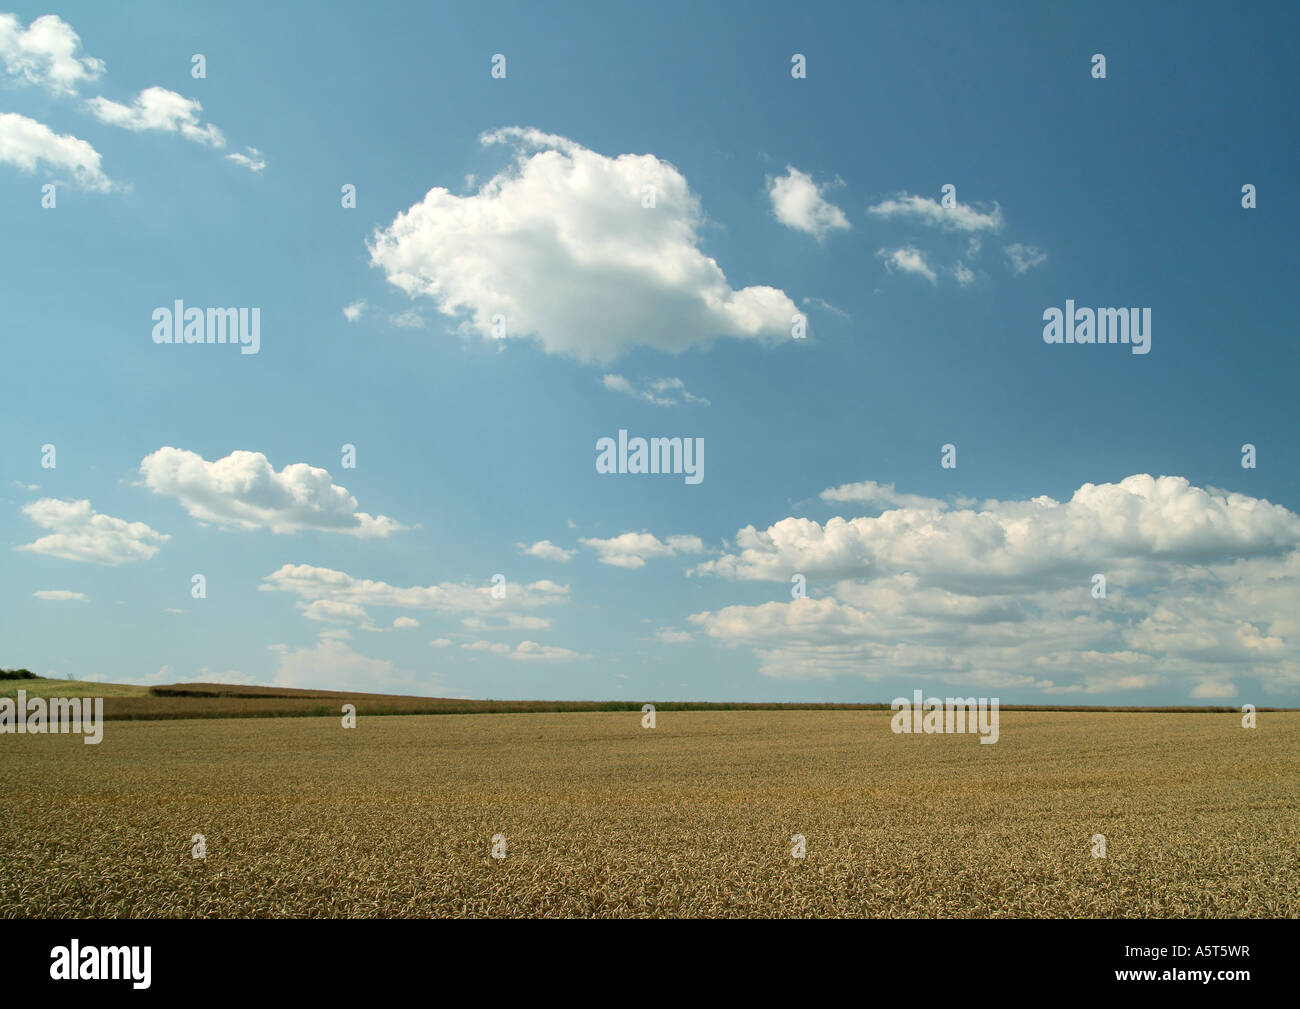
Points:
point(130, 702)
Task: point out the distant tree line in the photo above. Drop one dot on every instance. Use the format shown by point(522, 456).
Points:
point(17, 674)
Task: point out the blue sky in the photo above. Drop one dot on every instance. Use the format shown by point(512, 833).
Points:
point(523, 196)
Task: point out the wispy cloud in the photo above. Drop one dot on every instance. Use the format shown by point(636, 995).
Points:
point(908, 259)
point(659, 391)
point(1024, 258)
point(961, 217)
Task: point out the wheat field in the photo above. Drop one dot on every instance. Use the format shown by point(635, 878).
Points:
point(598, 816)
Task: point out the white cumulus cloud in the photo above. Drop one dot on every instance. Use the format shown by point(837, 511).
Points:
point(631, 550)
point(28, 144)
point(559, 248)
point(799, 203)
point(160, 110)
point(79, 533)
point(244, 490)
point(46, 53)
point(547, 551)
point(1199, 582)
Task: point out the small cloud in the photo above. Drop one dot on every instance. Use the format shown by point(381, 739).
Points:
point(548, 551)
point(962, 217)
point(496, 648)
point(672, 636)
point(526, 651)
point(251, 159)
point(333, 611)
point(798, 203)
point(658, 391)
point(354, 311)
point(404, 623)
point(440, 643)
point(631, 550)
point(61, 595)
point(964, 274)
point(410, 319)
point(909, 260)
point(531, 651)
point(1024, 258)
point(26, 486)
point(827, 306)
point(879, 495)
point(1211, 688)
point(510, 622)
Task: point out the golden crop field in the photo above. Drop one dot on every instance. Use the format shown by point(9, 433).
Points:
point(695, 817)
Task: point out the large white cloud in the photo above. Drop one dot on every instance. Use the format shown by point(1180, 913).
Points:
point(28, 144)
point(46, 53)
point(1201, 589)
point(560, 245)
point(244, 490)
point(160, 110)
point(798, 203)
point(1141, 519)
point(79, 533)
